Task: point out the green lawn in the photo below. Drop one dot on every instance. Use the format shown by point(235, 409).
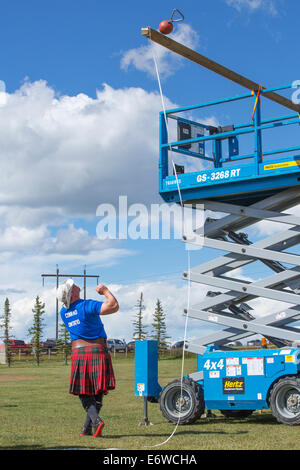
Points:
point(37, 412)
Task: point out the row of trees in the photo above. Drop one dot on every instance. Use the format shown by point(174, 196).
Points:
point(35, 332)
point(159, 329)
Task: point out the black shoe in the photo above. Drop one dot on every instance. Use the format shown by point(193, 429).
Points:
point(97, 428)
point(86, 431)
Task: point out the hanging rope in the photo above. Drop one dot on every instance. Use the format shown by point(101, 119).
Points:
point(166, 122)
point(188, 261)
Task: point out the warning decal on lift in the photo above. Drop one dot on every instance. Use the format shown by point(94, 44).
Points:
point(233, 386)
point(255, 365)
point(232, 361)
point(233, 367)
point(275, 166)
point(141, 389)
point(289, 358)
point(232, 371)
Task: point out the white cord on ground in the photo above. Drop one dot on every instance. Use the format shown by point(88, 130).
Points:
point(182, 362)
point(188, 253)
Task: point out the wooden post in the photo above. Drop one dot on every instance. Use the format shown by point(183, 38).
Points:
point(200, 59)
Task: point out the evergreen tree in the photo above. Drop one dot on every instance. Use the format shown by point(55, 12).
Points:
point(159, 327)
point(63, 342)
point(36, 331)
point(6, 331)
point(139, 332)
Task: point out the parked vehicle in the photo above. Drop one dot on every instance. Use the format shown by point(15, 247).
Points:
point(49, 344)
point(130, 346)
point(254, 342)
point(17, 346)
point(178, 344)
point(236, 344)
point(46, 346)
point(116, 345)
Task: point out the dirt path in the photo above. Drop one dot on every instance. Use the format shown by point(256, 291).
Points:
point(8, 378)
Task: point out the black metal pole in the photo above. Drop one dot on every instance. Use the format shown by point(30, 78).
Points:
point(57, 283)
point(84, 283)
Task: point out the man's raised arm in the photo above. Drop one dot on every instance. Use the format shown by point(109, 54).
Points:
point(111, 304)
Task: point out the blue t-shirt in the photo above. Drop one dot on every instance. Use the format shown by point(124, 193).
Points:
point(82, 319)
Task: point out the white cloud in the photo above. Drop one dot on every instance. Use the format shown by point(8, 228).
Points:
point(142, 57)
point(68, 154)
point(13, 239)
point(265, 228)
point(254, 5)
point(68, 243)
point(71, 240)
point(31, 217)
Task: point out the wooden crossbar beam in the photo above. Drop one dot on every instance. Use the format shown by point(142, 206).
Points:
point(200, 59)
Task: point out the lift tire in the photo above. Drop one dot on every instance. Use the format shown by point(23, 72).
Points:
point(236, 413)
point(285, 400)
point(192, 401)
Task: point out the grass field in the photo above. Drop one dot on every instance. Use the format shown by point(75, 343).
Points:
point(37, 412)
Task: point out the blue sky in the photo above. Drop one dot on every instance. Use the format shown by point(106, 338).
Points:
point(80, 128)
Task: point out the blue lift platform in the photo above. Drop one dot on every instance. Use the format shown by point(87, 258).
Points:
point(265, 172)
point(259, 185)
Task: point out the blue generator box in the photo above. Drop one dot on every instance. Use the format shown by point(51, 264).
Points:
point(146, 369)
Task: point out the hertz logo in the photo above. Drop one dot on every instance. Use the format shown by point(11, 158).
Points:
point(234, 386)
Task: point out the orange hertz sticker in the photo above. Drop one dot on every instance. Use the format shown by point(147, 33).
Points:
point(275, 166)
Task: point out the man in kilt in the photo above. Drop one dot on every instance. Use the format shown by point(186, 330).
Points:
point(92, 373)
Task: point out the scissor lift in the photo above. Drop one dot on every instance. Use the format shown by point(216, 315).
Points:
point(245, 188)
point(230, 308)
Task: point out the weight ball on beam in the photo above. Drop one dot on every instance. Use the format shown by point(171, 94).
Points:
point(165, 27)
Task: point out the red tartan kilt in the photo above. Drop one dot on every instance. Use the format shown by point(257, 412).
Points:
point(91, 371)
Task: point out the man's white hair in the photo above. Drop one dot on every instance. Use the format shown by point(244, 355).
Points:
point(64, 292)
